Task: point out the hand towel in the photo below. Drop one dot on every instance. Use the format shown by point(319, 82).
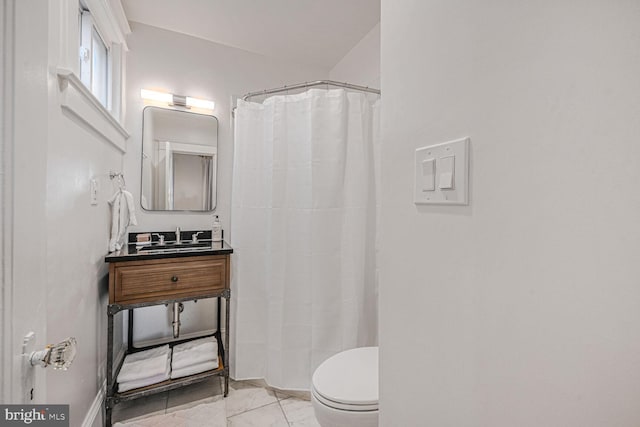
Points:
point(130, 208)
point(194, 369)
point(123, 214)
point(130, 385)
point(114, 201)
point(194, 352)
point(144, 364)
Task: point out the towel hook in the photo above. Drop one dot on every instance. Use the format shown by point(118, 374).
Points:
point(121, 182)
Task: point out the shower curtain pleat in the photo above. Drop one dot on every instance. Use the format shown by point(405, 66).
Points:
point(303, 230)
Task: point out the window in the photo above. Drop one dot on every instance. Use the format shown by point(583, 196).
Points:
point(91, 64)
point(94, 59)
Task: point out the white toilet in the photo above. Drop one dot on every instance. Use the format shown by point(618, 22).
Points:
point(344, 389)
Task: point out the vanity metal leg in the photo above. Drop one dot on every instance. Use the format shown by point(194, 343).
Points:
point(219, 314)
point(227, 306)
point(108, 410)
point(108, 403)
point(130, 332)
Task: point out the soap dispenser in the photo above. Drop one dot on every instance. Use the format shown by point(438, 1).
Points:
point(216, 230)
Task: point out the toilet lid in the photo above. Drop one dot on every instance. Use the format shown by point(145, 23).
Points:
point(349, 378)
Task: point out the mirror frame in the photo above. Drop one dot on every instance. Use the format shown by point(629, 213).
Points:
point(215, 199)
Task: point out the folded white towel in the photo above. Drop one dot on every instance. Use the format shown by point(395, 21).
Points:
point(194, 369)
point(194, 352)
point(130, 385)
point(144, 364)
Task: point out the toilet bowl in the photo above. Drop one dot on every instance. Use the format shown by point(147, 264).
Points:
point(344, 389)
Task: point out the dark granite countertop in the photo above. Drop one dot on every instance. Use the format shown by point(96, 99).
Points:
point(133, 252)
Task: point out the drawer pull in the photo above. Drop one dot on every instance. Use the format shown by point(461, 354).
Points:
point(174, 279)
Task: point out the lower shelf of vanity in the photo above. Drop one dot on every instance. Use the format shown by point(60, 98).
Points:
point(170, 384)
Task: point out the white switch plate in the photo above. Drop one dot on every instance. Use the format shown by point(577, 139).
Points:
point(458, 195)
point(93, 189)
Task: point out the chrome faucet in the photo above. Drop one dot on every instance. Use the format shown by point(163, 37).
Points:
point(178, 235)
point(160, 238)
point(194, 236)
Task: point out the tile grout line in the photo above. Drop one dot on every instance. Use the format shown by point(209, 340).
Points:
point(253, 409)
point(283, 412)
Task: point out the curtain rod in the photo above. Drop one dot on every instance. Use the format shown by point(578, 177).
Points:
point(311, 84)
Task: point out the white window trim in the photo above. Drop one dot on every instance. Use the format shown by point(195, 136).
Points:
point(110, 19)
point(77, 99)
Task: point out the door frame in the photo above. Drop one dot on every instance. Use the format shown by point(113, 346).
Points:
point(7, 38)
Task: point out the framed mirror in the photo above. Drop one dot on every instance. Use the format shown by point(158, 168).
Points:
point(179, 160)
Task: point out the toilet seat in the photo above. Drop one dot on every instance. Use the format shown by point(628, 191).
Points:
point(343, 406)
point(348, 381)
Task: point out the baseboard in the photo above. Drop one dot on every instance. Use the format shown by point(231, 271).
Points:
point(96, 407)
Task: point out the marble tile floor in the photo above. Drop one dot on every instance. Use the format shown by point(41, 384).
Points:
point(249, 404)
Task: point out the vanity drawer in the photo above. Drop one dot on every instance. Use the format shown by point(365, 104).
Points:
point(170, 278)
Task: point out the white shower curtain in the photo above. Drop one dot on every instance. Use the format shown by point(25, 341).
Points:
point(303, 228)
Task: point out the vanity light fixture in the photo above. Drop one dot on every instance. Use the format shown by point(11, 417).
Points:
point(171, 99)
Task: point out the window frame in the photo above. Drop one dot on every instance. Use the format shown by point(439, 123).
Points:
point(76, 100)
point(89, 34)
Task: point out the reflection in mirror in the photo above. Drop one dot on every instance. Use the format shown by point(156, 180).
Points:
point(179, 160)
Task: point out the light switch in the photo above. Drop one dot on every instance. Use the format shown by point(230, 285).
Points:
point(446, 166)
point(93, 190)
point(428, 175)
point(441, 175)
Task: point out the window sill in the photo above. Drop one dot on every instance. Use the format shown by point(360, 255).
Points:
point(82, 105)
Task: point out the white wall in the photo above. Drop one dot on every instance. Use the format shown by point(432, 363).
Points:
point(361, 65)
point(6, 64)
point(25, 151)
point(77, 232)
point(59, 240)
point(185, 65)
point(522, 309)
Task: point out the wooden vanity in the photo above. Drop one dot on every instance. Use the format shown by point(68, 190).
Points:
point(132, 282)
point(141, 279)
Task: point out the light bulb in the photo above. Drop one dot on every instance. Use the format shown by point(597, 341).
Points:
point(152, 95)
point(200, 103)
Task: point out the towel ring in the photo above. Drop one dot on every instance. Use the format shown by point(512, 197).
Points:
point(120, 177)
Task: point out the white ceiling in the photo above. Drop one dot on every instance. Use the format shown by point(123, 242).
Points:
point(319, 32)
